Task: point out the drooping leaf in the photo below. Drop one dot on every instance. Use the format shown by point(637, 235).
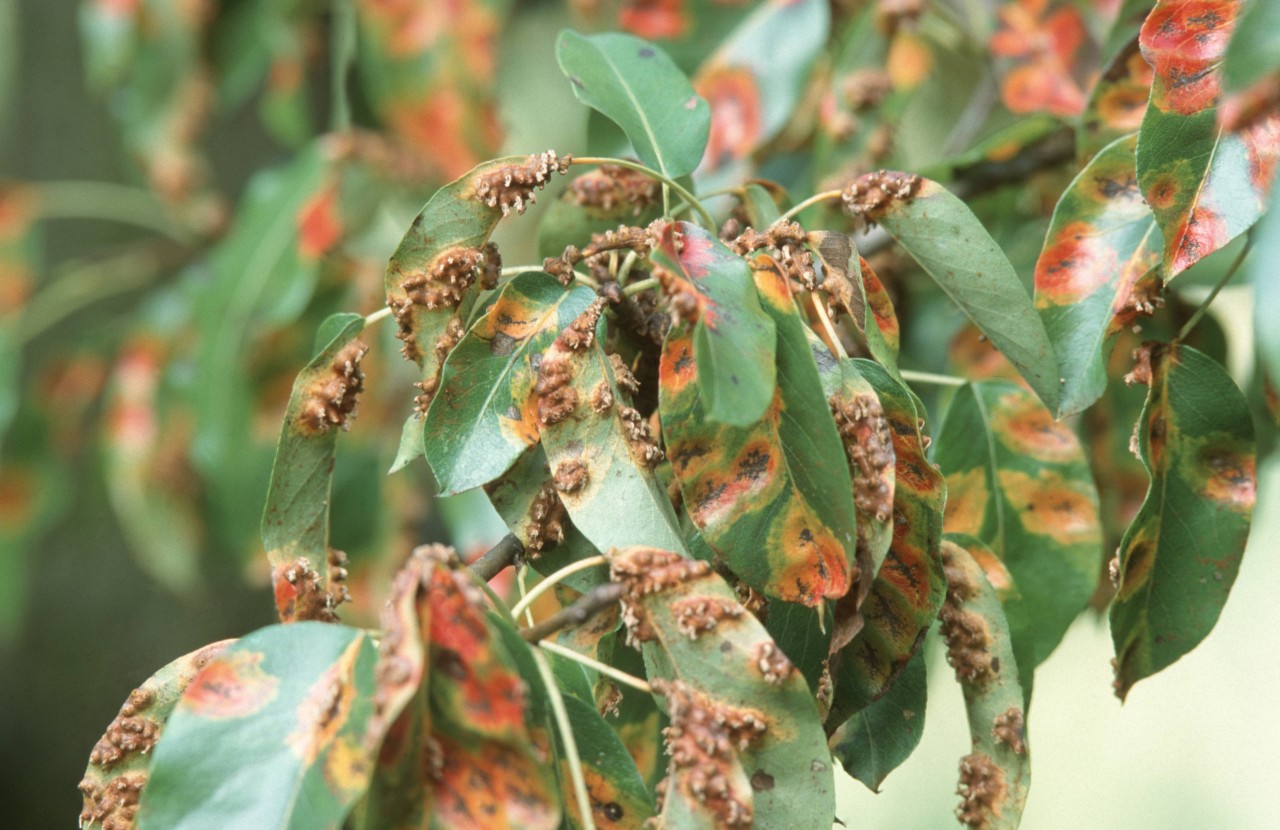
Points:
point(942, 234)
point(1018, 480)
point(638, 87)
point(1117, 101)
point(741, 714)
point(734, 340)
point(755, 79)
point(295, 524)
point(120, 760)
point(774, 500)
point(600, 449)
point(269, 734)
point(909, 586)
point(430, 73)
point(619, 797)
point(878, 739)
point(1102, 241)
point(1205, 185)
point(1180, 556)
point(482, 418)
point(853, 288)
point(996, 774)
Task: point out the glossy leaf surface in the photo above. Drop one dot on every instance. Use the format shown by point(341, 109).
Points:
point(269, 734)
point(996, 774)
point(741, 714)
point(1103, 239)
point(482, 418)
point(638, 87)
point(878, 739)
point(1180, 556)
point(1018, 480)
point(942, 234)
point(775, 500)
point(734, 340)
point(909, 586)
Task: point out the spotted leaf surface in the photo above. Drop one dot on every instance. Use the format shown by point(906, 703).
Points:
point(1205, 185)
point(745, 742)
point(996, 774)
point(1018, 481)
point(269, 734)
point(429, 70)
point(1117, 102)
point(755, 80)
point(878, 739)
point(774, 500)
point(1102, 242)
point(734, 340)
point(483, 416)
point(1180, 556)
point(295, 525)
point(601, 451)
point(120, 761)
point(942, 234)
point(637, 86)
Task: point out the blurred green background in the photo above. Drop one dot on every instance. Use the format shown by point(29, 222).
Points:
point(1197, 746)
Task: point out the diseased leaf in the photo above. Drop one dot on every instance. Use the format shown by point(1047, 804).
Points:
point(1205, 185)
point(1041, 38)
point(878, 739)
point(995, 775)
point(774, 500)
point(638, 87)
point(853, 288)
point(619, 797)
point(942, 234)
point(746, 741)
point(600, 450)
point(1018, 480)
point(1102, 242)
point(305, 572)
point(120, 760)
point(909, 586)
point(754, 81)
point(734, 341)
point(1117, 101)
point(270, 734)
point(1180, 556)
point(482, 418)
point(595, 202)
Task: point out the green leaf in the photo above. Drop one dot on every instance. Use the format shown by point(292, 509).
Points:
point(1266, 289)
point(909, 586)
point(601, 453)
point(1018, 480)
point(638, 87)
point(482, 418)
point(619, 796)
point(268, 735)
point(122, 756)
point(942, 234)
point(878, 739)
point(295, 523)
point(1254, 51)
point(739, 710)
point(1180, 556)
point(1205, 185)
point(1102, 241)
point(775, 499)
point(734, 340)
point(995, 775)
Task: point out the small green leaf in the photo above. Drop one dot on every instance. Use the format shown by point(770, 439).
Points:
point(1180, 556)
point(638, 87)
point(878, 739)
point(942, 234)
point(295, 523)
point(1018, 480)
point(482, 417)
point(270, 734)
point(734, 341)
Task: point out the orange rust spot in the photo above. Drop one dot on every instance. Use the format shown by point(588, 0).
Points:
point(1075, 265)
point(325, 708)
point(231, 686)
point(319, 225)
point(1024, 425)
point(1054, 506)
point(677, 369)
point(813, 564)
point(1231, 478)
point(967, 500)
point(735, 114)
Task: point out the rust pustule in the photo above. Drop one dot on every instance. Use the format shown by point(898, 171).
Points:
point(610, 186)
point(790, 241)
point(622, 375)
point(512, 186)
point(640, 438)
point(570, 476)
point(545, 524)
point(130, 732)
point(696, 615)
point(556, 396)
point(301, 594)
point(773, 665)
point(868, 445)
point(1009, 729)
point(329, 400)
point(601, 398)
point(982, 789)
point(646, 571)
point(871, 195)
point(967, 634)
point(581, 333)
point(112, 803)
